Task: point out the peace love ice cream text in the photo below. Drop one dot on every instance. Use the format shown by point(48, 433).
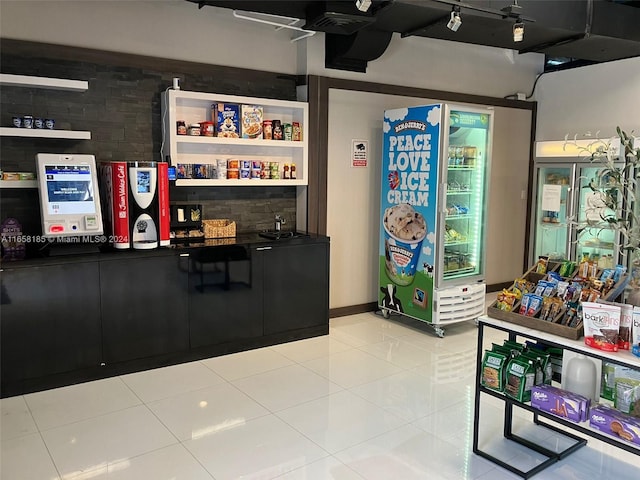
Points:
point(409, 166)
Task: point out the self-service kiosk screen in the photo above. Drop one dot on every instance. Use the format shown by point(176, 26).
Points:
point(70, 189)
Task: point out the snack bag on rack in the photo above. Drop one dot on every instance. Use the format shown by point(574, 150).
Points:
point(520, 379)
point(506, 300)
point(541, 264)
point(635, 332)
point(626, 320)
point(493, 365)
point(601, 325)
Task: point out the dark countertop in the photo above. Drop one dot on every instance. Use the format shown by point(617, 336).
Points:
point(107, 253)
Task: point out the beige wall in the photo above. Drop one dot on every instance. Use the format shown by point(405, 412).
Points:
point(353, 209)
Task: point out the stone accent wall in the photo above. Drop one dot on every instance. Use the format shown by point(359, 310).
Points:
point(122, 110)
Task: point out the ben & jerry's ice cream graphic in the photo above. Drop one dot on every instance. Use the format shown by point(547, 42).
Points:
point(408, 209)
point(404, 231)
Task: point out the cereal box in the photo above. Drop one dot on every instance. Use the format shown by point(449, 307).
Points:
point(226, 118)
point(252, 121)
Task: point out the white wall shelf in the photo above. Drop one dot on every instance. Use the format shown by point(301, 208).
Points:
point(18, 184)
point(7, 79)
point(204, 182)
point(42, 133)
point(195, 107)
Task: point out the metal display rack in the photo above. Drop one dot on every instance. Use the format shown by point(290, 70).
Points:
point(624, 358)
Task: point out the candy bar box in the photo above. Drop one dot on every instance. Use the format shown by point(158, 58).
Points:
point(560, 402)
point(615, 423)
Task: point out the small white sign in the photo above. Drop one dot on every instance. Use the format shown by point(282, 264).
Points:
point(551, 197)
point(359, 153)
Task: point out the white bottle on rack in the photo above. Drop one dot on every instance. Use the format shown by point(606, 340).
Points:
point(581, 377)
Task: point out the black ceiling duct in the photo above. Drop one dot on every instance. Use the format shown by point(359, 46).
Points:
point(352, 52)
point(340, 18)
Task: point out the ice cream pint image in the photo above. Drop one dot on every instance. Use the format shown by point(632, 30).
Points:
point(411, 138)
point(405, 230)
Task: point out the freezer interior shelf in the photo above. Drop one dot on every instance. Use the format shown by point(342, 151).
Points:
point(459, 217)
point(458, 271)
point(596, 244)
point(553, 225)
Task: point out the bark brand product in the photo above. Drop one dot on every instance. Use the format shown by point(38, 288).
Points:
point(601, 325)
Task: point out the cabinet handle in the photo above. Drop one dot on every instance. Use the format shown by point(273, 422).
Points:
point(263, 248)
point(184, 254)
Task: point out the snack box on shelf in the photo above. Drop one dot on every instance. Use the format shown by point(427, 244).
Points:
point(560, 402)
point(550, 325)
point(615, 423)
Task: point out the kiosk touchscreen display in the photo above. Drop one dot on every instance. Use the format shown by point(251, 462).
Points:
point(69, 195)
point(69, 189)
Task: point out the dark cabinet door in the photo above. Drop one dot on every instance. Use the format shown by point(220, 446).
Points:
point(50, 320)
point(144, 307)
point(296, 287)
point(225, 295)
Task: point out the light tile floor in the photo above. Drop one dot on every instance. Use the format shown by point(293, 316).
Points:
point(375, 399)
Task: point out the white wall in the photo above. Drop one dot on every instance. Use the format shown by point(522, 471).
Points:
point(353, 209)
point(589, 99)
point(440, 65)
point(173, 29)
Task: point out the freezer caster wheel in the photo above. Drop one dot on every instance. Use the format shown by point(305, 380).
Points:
point(385, 313)
point(439, 331)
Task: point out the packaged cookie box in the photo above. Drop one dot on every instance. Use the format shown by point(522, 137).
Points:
point(226, 120)
point(560, 402)
point(615, 423)
point(252, 116)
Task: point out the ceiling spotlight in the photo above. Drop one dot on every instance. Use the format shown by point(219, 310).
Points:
point(455, 21)
point(518, 30)
point(363, 5)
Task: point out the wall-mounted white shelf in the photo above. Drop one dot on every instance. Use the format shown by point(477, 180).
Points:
point(7, 79)
point(240, 142)
point(195, 107)
point(204, 182)
point(42, 133)
point(18, 184)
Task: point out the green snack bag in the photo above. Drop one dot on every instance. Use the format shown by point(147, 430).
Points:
point(628, 396)
point(506, 351)
point(537, 365)
point(516, 347)
point(608, 381)
point(520, 378)
point(493, 365)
